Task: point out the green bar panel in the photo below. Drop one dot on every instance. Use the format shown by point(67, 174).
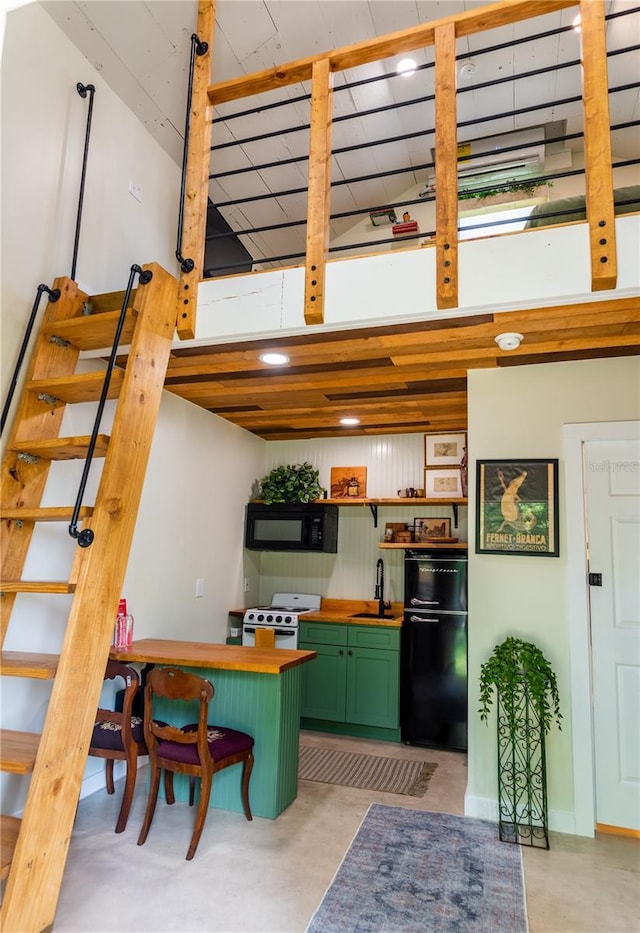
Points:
point(267, 706)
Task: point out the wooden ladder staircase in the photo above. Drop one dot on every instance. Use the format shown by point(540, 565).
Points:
point(34, 848)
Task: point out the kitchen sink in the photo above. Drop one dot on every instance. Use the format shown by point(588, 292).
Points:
point(371, 615)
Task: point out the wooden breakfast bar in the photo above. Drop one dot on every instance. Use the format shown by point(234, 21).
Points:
point(257, 690)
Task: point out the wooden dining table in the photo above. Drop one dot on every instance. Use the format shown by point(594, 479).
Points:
point(256, 690)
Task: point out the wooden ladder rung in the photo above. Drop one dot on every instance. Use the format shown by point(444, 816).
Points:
point(62, 513)
point(9, 829)
point(82, 387)
point(58, 587)
point(62, 448)
point(110, 301)
point(93, 331)
point(28, 664)
point(18, 751)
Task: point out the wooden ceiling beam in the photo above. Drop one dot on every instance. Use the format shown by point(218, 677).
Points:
point(391, 407)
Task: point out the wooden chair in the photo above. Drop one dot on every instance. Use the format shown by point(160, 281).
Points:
point(119, 736)
point(197, 749)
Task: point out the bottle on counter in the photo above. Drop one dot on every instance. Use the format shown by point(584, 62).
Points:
point(123, 629)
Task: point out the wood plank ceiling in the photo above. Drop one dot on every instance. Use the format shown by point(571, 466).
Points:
point(397, 379)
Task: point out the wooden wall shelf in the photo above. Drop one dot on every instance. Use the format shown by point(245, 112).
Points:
point(426, 546)
point(397, 501)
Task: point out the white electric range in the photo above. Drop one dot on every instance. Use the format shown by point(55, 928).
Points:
point(282, 615)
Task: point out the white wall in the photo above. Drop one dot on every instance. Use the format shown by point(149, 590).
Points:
point(519, 412)
point(190, 522)
point(393, 462)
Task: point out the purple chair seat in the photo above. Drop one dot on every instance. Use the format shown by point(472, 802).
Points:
point(108, 734)
point(222, 743)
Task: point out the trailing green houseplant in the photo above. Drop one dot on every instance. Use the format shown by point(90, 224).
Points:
point(518, 665)
point(298, 482)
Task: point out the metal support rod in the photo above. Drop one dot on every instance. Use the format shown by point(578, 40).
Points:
point(83, 90)
point(430, 97)
point(197, 48)
point(54, 294)
point(85, 537)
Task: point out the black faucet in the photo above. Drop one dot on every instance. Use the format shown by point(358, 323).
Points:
point(379, 591)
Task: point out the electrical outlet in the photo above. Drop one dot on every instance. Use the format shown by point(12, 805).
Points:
point(246, 585)
point(136, 190)
point(199, 587)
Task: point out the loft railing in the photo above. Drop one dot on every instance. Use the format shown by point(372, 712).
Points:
point(442, 36)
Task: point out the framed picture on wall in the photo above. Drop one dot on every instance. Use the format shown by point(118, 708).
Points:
point(517, 507)
point(430, 529)
point(348, 482)
point(442, 484)
point(442, 450)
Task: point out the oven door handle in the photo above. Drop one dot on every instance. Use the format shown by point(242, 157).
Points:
point(286, 632)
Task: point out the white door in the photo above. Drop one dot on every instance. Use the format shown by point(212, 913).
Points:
point(613, 519)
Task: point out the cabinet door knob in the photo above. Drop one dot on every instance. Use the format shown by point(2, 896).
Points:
point(340, 651)
point(350, 652)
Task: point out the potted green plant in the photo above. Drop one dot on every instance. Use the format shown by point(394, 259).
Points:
point(516, 665)
point(528, 704)
point(298, 482)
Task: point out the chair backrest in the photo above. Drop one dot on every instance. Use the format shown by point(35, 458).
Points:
point(173, 683)
point(131, 683)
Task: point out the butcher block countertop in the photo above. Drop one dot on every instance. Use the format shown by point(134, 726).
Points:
point(214, 656)
point(342, 610)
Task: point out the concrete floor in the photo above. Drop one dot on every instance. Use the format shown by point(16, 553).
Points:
point(270, 875)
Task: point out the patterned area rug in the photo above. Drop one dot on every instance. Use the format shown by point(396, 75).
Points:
point(415, 871)
point(372, 772)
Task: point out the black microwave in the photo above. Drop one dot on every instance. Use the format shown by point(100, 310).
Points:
point(292, 526)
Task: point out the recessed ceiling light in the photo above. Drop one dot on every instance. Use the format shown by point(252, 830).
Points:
point(406, 67)
point(274, 359)
point(509, 341)
point(349, 421)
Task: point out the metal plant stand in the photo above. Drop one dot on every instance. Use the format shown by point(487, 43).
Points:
point(522, 781)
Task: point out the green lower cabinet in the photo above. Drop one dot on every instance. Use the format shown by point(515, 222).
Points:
point(372, 687)
point(352, 687)
point(324, 683)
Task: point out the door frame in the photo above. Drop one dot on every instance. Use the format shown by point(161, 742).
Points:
point(574, 436)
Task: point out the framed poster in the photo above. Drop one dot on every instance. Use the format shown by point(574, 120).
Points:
point(444, 450)
point(517, 507)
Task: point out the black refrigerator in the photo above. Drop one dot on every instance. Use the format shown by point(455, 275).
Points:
point(433, 691)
